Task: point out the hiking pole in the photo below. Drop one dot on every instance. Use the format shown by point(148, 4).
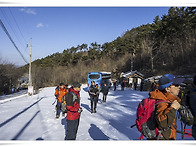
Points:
point(54, 102)
point(184, 133)
point(133, 126)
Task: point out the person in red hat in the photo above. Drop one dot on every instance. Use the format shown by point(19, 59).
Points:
point(169, 87)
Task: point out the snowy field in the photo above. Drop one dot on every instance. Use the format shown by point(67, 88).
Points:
point(30, 118)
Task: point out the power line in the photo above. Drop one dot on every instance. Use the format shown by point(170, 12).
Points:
point(12, 28)
point(5, 30)
point(17, 25)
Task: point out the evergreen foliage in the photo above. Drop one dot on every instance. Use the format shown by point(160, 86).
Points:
point(165, 46)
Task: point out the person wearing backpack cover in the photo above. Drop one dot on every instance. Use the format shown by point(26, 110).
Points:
point(165, 112)
point(192, 102)
point(73, 111)
point(60, 92)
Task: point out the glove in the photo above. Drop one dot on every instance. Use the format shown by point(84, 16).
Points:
point(175, 105)
point(79, 110)
point(56, 96)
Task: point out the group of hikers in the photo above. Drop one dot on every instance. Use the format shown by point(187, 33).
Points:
point(68, 101)
point(71, 98)
point(167, 103)
point(94, 91)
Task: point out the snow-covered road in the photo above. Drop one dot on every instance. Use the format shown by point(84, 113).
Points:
point(33, 117)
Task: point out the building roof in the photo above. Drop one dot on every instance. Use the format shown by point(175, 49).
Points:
point(133, 74)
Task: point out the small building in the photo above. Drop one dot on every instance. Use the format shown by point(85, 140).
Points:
point(133, 77)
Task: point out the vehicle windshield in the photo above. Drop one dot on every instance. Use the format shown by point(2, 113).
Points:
point(94, 76)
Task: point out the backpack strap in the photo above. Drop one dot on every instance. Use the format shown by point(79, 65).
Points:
point(163, 129)
point(161, 101)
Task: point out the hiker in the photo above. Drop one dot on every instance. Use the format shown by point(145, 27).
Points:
point(114, 84)
point(99, 90)
point(93, 96)
point(73, 111)
point(165, 113)
point(60, 92)
point(105, 90)
point(94, 99)
point(141, 85)
point(192, 102)
point(122, 86)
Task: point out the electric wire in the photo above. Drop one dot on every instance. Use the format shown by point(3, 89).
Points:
point(17, 25)
point(5, 30)
point(12, 28)
point(25, 51)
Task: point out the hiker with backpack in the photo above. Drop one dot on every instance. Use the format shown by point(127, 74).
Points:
point(156, 115)
point(165, 112)
point(192, 102)
point(60, 92)
point(73, 111)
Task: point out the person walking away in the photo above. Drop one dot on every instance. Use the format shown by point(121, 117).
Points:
point(105, 90)
point(192, 103)
point(73, 111)
point(60, 92)
point(165, 113)
point(142, 84)
point(114, 84)
point(122, 85)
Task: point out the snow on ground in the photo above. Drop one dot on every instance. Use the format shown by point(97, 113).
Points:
point(33, 117)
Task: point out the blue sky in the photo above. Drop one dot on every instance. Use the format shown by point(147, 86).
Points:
point(54, 29)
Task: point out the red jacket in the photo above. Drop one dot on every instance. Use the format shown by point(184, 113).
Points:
point(73, 104)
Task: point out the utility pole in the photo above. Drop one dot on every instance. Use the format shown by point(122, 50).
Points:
point(132, 62)
point(30, 81)
point(132, 54)
point(30, 87)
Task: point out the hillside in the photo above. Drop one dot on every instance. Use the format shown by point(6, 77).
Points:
point(165, 46)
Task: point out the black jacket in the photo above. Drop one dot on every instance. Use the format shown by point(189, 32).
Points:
point(105, 90)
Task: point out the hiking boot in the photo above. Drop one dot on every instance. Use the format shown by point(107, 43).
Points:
point(57, 116)
point(95, 110)
point(91, 110)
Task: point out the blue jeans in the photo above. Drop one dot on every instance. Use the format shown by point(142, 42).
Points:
point(58, 108)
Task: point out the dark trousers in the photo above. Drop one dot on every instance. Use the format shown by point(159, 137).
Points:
point(194, 131)
point(58, 108)
point(94, 100)
point(72, 128)
point(104, 97)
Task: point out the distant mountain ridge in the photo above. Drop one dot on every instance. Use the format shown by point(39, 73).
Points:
point(165, 46)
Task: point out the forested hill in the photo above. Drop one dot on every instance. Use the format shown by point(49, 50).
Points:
point(166, 45)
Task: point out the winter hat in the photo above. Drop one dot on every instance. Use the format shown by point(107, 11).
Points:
point(168, 79)
point(76, 84)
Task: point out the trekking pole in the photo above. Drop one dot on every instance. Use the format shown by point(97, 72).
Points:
point(184, 133)
point(54, 102)
point(133, 126)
